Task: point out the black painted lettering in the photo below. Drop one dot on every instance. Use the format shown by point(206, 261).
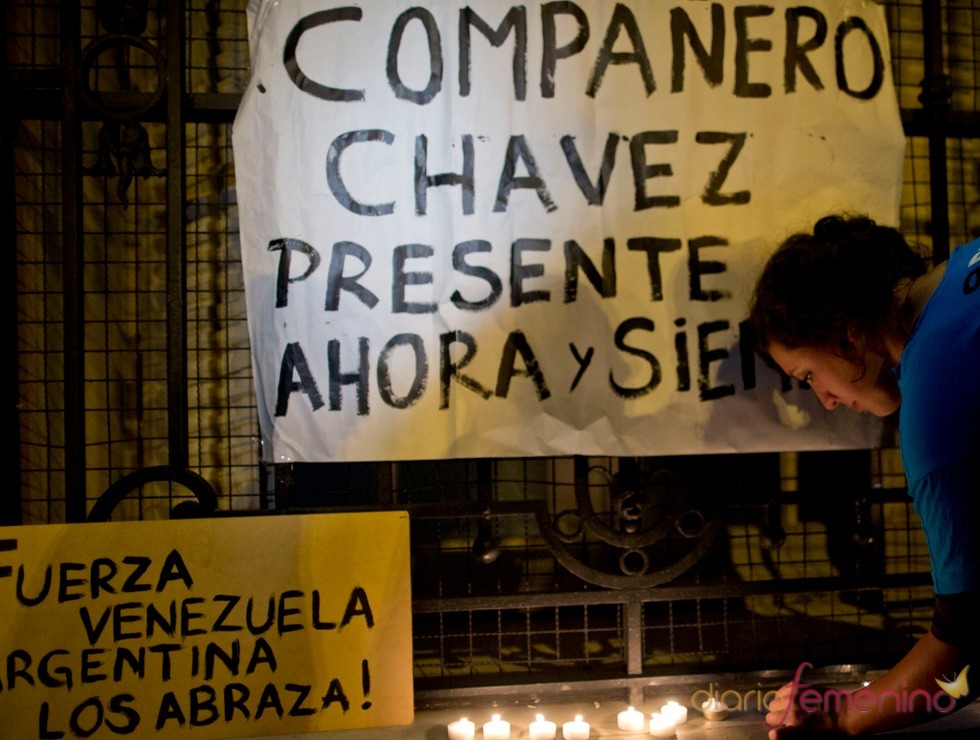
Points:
point(269, 700)
point(358, 378)
point(698, 267)
point(796, 52)
point(156, 619)
point(400, 278)
point(517, 148)
point(640, 323)
point(424, 181)
point(712, 63)
point(26, 600)
point(119, 705)
point(286, 247)
point(594, 194)
point(93, 630)
point(270, 615)
point(576, 259)
point(683, 357)
point(744, 44)
point(517, 344)
point(67, 583)
point(213, 653)
point(654, 247)
point(551, 52)
point(174, 569)
point(203, 708)
point(44, 732)
point(707, 356)
point(878, 60)
point(460, 252)
point(82, 726)
point(318, 623)
point(747, 355)
point(335, 693)
point(169, 711)
point(164, 651)
point(230, 603)
point(302, 691)
point(434, 40)
point(583, 363)
point(140, 565)
point(712, 194)
point(262, 655)
point(419, 379)
point(336, 182)
point(90, 665)
point(297, 75)
point(622, 19)
point(57, 676)
point(188, 617)
point(122, 614)
point(519, 271)
point(235, 698)
point(294, 361)
point(18, 667)
point(286, 611)
point(643, 171)
point(126, 658)
point(450, 367)
point(357, 606)
point(102, 572)
point(516, 21)
point(337, 281)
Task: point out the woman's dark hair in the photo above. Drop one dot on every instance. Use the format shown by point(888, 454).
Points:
point(816, 287)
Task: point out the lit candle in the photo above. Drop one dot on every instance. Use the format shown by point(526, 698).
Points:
point(542, 729)
point(630, 719)
point(575, 730)
point(677, 712)
point(661, 725)
point(496, 729)
point(462, 729)
point(714, 710)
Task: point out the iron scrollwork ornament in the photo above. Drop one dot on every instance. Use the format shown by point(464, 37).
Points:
point(651, 534)
point(124, 144)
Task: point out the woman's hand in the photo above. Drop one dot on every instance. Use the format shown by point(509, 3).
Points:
point(791, 720)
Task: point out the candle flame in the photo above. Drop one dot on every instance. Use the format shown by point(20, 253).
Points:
point(578, 717)
point(539, 717)
point(495, 717)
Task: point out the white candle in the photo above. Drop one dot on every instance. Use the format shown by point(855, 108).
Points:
point(542, 729)
point(630, 719)
point(575, 730)
point(714, 710)
point(661, 725)
point(496, 729)
point(677, 712)
point(462, 729)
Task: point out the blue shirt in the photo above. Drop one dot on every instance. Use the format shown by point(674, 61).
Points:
point(939, 422)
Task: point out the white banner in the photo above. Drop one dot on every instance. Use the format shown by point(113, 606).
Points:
point(495, 230)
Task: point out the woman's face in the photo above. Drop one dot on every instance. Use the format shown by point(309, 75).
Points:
point(838, 381)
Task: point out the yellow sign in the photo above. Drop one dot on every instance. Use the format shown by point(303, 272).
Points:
point(206, 628)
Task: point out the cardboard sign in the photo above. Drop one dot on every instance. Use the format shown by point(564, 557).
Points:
point(494, 230)
point(216, 628)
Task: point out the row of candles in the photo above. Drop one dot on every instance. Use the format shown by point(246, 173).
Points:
point(661, 724)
